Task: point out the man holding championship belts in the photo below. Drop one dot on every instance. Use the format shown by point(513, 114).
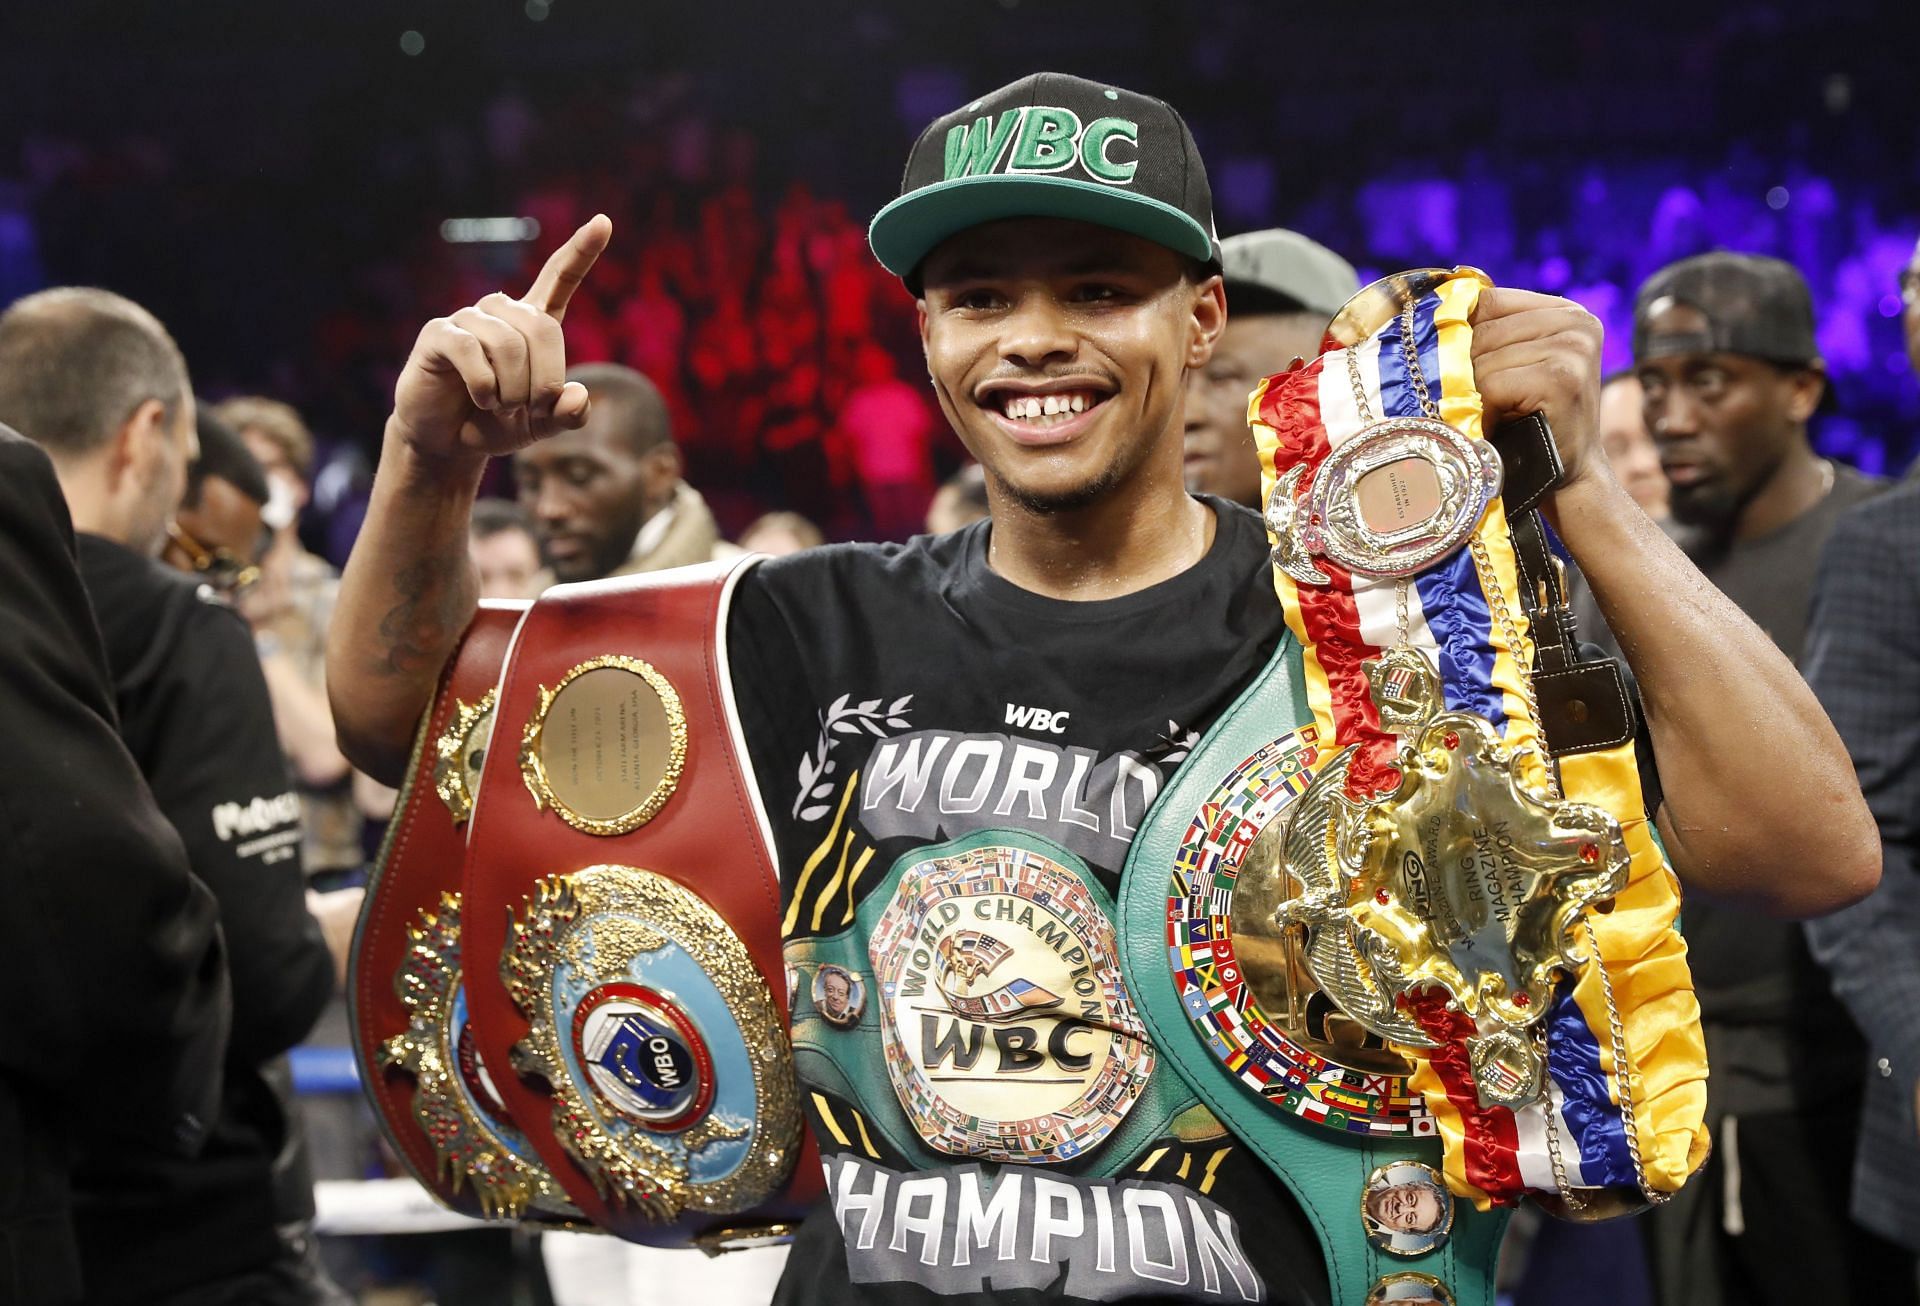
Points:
point(960, 741)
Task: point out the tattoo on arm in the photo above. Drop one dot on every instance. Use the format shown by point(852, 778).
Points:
point(415, 632)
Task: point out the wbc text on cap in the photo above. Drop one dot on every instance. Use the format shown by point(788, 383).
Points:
point(1044, 139)
point(1051, 146)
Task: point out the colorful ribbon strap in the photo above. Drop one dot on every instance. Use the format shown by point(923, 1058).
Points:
point(1600, 1125)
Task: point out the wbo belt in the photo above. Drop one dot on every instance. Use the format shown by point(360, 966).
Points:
point(606, 989)
point(433, 1097)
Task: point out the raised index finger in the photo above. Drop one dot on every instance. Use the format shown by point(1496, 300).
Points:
point(568, 267)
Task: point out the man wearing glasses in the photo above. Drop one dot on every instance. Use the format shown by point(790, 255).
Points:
point(218, 534)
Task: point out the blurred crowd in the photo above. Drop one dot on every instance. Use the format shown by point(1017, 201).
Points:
point(758, 387)
point(215, 656)
point(738, 281)
point(762, 319)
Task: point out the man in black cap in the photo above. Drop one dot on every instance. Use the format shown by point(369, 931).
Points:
point(1282, 290)
point(1723, 346)
point(1724, 349)
point(1038, 674)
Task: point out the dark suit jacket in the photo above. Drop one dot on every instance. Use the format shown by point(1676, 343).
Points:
point(1863, 659)
point(115, 1007)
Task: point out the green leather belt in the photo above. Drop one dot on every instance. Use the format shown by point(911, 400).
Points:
point(1327, 1165)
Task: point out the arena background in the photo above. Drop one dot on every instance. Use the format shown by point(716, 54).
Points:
point(274, 179)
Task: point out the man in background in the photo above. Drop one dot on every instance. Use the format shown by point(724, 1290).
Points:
point(218, 533)
point(609, 499)
point(289, 610)
point(136, 935)
point(93, 378)
point(219, 536)
point(1282, 289)
point(505, 553)
point(960, 501)
point(1724, 349)
point(1629, 446)
point(1863, 660)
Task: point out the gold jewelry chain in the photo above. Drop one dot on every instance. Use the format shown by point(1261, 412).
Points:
point(1622, 1075)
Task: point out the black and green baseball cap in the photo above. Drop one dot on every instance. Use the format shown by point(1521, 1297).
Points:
point(1748, 304)
point(1051, 146)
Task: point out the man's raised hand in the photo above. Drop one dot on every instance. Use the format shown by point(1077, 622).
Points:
point(492, 378)
point(1536, 353)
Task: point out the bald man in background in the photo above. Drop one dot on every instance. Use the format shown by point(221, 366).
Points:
point(609, 498)
point(99, 384)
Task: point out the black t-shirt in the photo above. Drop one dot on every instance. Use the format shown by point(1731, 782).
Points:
point(195, 715)
point(897, 697)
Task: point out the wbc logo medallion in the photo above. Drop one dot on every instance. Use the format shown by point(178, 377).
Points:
point(1009, 1033)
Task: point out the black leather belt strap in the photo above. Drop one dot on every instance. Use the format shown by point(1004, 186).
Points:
point(1583, 705)
point(1529, 460)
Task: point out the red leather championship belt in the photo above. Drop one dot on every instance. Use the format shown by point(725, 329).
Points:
point(620, 884)
point(568, 994)
point(434, 1098)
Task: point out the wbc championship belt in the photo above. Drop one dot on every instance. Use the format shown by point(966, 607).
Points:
point(602, 1003)
point(1417, 940)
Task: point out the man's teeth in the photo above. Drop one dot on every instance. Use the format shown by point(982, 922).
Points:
point(1030, 408)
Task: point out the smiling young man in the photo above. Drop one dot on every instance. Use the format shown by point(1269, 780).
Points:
point(932, 713)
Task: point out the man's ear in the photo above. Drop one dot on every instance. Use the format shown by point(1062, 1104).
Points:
point(1804, 389)
point(661, 469)
point(1209, 320)
point(920, 320)
point(134, 447)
